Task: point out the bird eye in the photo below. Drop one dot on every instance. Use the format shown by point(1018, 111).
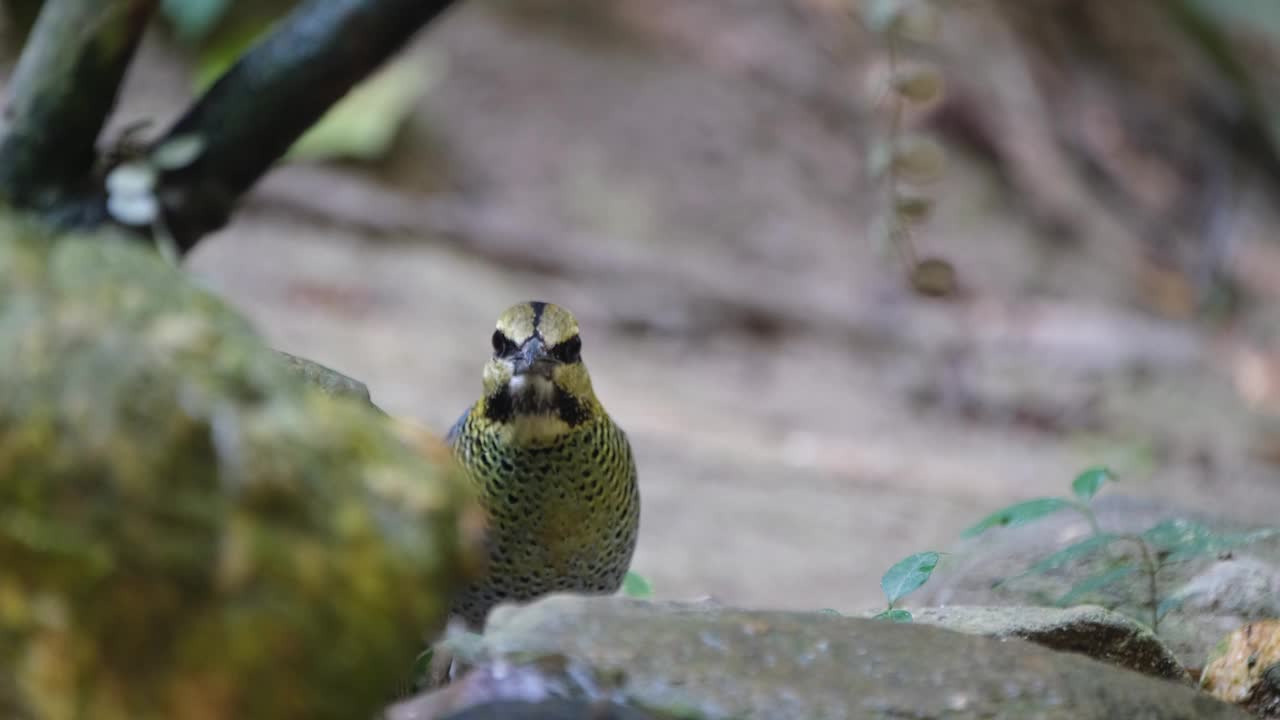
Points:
point(502, 345)
point(568, 351)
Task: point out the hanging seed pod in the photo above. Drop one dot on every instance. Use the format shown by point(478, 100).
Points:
point(919, 84)
point(919, 159)
point(934, 277)
point(913, 209)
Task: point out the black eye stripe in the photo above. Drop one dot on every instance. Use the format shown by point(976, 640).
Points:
point(568, 351)
point(502, 345)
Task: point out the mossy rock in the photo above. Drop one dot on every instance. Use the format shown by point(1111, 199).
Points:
point(187, 527)
point(327, 379)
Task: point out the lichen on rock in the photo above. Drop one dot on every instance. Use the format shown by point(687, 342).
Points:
point(187, 528)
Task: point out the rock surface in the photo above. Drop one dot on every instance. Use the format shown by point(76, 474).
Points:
point(1088, 630)
point(548, 709)
point(551, 710)
point(188, 530)
point(689, 661)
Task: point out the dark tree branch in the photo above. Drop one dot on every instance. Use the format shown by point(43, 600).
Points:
point(252, 115)
point(61, 93)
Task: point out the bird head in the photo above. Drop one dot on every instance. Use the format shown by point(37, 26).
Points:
point(536, 371)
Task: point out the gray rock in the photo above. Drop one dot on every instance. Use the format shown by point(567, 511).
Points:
point(695, 661)
point(1087, 629)
point(443, 706)
point(1244, 586)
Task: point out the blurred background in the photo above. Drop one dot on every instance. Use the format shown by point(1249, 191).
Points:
point(691, 178)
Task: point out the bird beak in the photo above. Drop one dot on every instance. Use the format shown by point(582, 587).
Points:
point(532, 360)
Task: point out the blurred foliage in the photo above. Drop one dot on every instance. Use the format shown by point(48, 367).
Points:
point(1261, 17)
point(193, 19)
point(198, 23)
point(1219, 27)
point(362, 126)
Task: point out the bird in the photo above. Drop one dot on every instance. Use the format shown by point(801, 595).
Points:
point(555, 474)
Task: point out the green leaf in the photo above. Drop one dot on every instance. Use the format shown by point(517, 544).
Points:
point(1213, 544)
point(907, 575)
point(1094, 583)
point(635, 586)
point(1072, 552)
point(1086, 484)
point(1177, 533)
point(1019, 514)
point(421, 674)
point(897, 615)
point(422, 663)
point(1180, 539)
point(193, 19)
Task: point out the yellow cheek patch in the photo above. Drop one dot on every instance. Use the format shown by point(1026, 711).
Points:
point(496, 374)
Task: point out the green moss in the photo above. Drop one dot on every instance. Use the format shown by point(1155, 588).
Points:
point(187, 527)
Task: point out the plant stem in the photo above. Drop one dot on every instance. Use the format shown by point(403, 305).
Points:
point(899, 233)
point(1153, 594)
point(61, 93)
point(1091, 518)
point(255, 112)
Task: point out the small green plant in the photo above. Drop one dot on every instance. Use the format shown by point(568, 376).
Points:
point(905, 577)
point(1152, 550)
point(422, 669)
point(635, 586)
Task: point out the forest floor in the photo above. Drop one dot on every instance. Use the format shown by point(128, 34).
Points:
point(801, 419)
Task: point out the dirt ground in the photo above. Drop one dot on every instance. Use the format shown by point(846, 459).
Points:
point(801, 420)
